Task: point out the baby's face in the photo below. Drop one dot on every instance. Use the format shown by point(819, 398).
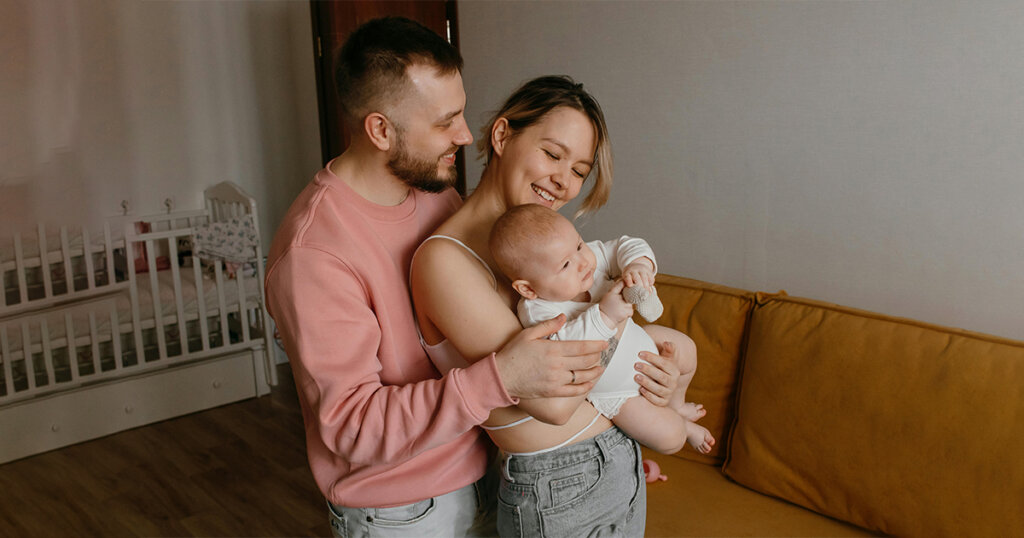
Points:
point(562, 266)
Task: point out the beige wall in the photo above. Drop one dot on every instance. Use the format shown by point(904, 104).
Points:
point(867, 153)
point(111, 100)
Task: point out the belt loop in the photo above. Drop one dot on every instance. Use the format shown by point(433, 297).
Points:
point(604, 441)
point(505, 467)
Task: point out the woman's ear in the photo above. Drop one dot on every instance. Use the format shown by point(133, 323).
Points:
point(500, 134)
point(525, 289)
point(379, 130)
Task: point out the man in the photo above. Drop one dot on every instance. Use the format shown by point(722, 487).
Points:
point(391, 444)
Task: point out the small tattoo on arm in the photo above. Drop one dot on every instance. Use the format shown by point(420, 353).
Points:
point(606, 355)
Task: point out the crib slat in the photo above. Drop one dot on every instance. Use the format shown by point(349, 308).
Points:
point(44, 331)
point(158, 309)
point(204, 329)
point(242, 310)
point(222, 305)
point(65, 247)
point(178, 300)
point(44, 263)
point(94, 332)
point(90, 273)
point(115, 336)
point(133, 294)
point(19, 265)
point(7, 361)
point(69, 336)
point(108, 246)
point(26, 351)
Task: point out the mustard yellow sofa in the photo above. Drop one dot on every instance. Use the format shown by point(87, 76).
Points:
point(833, 421)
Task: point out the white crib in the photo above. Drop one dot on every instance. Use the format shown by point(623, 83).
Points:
point(108, 331)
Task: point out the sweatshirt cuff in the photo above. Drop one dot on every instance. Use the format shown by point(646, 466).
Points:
point(483, 387)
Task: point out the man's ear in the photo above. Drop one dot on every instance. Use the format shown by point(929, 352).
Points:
point(525, 289)
point(379, 130)
point(500, 134)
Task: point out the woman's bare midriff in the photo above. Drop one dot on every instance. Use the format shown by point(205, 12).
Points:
point(534, 435)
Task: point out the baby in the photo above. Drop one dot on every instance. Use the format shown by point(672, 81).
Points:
point(555, 272)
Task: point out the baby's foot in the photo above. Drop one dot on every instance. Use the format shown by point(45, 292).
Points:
point(691, 411)
point(699, 438)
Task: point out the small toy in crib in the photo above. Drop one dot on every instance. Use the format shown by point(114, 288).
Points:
point(653, 471)
point(646, 302)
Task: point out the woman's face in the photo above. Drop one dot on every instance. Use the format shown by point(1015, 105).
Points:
point(547, 162)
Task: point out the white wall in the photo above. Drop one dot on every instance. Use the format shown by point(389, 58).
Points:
point(861, 152)
point(112, 100)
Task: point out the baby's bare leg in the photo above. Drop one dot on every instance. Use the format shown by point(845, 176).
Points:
point(659, 428)
point(686, 359)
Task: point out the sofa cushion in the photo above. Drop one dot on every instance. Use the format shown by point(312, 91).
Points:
point(895, 425)
point(715, 317)
point(697, 500)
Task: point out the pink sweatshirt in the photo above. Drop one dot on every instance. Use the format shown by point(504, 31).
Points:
point(383, 428)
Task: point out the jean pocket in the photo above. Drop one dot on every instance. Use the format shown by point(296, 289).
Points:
point(510, 520)
point(402, 515)
point(566, 489)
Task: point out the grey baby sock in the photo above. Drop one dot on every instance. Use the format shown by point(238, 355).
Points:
point(645, 301)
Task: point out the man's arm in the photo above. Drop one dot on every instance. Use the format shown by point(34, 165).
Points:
point(332, 338)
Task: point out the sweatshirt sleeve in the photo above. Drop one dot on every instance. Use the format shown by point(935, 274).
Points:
point(332, 337)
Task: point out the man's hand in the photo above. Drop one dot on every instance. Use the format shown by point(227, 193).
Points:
point(531, 366)
point(614, 307)
point(639, 271)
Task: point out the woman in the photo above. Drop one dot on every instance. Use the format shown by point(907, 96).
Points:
point(571, 464)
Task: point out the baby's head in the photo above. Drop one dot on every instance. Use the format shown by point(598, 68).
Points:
point(541, 252)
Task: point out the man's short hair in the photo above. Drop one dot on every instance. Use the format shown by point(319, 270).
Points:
point(370, 73)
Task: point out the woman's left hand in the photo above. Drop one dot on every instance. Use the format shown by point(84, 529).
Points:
point(659, 379)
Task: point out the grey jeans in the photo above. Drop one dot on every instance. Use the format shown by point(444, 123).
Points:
point(592, 488)
point(451, 514)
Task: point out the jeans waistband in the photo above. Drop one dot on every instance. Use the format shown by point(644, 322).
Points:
point(599, 445)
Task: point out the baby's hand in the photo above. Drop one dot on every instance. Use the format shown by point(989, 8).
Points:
point(614, 306)
point(640, 271)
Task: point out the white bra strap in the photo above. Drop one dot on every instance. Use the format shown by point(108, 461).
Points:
point(509, 425)
point(471, 251)
point(559, 445)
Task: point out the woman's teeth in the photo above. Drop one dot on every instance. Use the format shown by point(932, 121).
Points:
point(543, 193)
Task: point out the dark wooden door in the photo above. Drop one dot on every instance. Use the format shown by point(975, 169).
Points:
point(332, 23)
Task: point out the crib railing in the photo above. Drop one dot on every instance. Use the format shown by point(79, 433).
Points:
point(59, 348)
point(235, 318)
point(52, 268)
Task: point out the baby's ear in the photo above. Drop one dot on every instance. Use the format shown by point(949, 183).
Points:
point(525, 289)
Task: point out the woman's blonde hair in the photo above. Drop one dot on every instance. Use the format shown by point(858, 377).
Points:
point(534, 100)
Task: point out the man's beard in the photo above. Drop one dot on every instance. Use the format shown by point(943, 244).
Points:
point(419, 174)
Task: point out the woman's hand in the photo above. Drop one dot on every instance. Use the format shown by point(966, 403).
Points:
point(659, 379)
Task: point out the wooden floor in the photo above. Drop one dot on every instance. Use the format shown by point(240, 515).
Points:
point(237, 470)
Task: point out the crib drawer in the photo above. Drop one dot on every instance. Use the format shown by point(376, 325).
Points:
point(46, 423)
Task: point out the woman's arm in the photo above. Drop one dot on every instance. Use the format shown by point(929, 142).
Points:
point(454, 292)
